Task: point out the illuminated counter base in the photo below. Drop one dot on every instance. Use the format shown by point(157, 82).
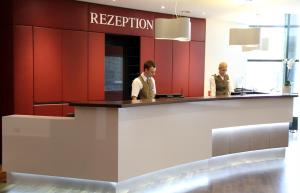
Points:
point(115, 144)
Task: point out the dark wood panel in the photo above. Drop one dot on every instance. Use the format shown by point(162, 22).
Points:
point(48, 13)
point(147, 51)
point(163, 59)
point(23, 70)
point(48, 110)
point(180, 67)
point(96, 66)
point(74, 61)
point(6, 71)
point(196, 74)
point(47, 65)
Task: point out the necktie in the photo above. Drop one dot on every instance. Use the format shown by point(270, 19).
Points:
point(149, 83)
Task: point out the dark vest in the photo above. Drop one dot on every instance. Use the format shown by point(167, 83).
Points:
point(222, 86)
point(147, 91)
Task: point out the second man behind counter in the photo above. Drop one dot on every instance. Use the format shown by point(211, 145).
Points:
point(220, 84)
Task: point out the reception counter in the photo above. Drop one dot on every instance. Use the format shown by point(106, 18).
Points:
point(117, 140)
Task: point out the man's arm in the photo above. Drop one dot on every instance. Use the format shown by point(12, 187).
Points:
point(133, 98)
point(212, 86)
point(135, 89)
point(154, 87)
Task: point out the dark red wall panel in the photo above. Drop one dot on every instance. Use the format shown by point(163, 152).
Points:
point(48, 110)
point(47, 65)
point(74, 61)
point(23, 70)
point(96, 66)
point(163, 59)
point(198, 29)
point(147, 50)
point(67, 110)
point(181, 67)
point(196, 75)
point(6, 71)
point(63, 14)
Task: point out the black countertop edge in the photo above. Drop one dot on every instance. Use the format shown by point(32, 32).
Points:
point(129, 103)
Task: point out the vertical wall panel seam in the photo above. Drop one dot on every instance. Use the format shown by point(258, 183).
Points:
point(88, 53)
point(172, 66)
point(203, 63)
point(33, 69)
point(61, 72)
point(61, 67)
point(172, 77)
point(141, 39)
point(88, 65)
point(189, 71)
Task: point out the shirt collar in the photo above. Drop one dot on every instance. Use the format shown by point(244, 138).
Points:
point(144, 77)
point(221, 76)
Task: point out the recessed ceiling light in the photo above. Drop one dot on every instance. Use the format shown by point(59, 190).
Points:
point(162, 7)
point(113, 0)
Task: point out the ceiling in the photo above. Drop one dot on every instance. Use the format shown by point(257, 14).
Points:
point(240, 11)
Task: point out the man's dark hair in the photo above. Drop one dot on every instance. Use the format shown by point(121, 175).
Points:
point(148, 64)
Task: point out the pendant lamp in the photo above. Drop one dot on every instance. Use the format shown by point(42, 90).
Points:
point(244, 36)
point(173, 29)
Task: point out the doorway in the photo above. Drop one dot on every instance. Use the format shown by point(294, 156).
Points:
point(122, 65)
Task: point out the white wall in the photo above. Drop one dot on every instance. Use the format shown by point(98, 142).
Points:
point(217, 49)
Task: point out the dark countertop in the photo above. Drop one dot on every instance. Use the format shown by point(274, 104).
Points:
point(129, 103)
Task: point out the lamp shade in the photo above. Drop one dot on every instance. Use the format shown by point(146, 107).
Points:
point(244, 36)
point(173, 29)
point(264, 46)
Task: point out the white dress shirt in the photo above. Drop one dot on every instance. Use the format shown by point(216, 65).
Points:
point(137, 85)
point(212, 85)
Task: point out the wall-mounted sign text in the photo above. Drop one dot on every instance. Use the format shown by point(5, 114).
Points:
point(120, 21)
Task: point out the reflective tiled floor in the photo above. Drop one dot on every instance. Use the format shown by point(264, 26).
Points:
point(275, 176)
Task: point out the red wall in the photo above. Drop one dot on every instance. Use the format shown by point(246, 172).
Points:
point(74, 64)
point(164, 69)
point(47, 64)
point(180, 82)
point(96, 66)
point(196, 70)
point(147, 50)
point(48, 110)
point(23, 70)
point(59, 56)
point(63, 14)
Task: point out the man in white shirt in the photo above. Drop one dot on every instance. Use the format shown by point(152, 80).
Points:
point(143, 87)
point(220, 84)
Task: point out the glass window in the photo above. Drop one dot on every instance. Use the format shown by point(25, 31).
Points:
point(264, 76)
point(272, 44)
point(113, 73)
point(264, 67)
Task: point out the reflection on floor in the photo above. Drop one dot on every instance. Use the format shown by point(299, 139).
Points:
point(274, 176)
